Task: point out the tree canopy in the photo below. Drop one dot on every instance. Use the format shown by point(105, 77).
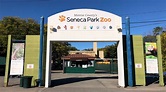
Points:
point(18, 28)
point(110, 51)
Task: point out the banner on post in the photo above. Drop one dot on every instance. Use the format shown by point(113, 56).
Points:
point(151, 57)
point(17, 59)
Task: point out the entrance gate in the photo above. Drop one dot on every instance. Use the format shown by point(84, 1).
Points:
point(84, 25)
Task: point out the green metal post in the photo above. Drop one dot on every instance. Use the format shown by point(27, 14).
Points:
point(160, 62)
point(8, 58)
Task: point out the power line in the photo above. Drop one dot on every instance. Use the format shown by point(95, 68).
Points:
point(143, 22)
point(139, 13)
point(7, 1)
point(143, 25)
point(148, 21)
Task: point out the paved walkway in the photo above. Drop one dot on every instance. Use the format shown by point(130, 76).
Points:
point(80, 83)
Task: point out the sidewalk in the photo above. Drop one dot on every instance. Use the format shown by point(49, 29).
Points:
point(80, 83)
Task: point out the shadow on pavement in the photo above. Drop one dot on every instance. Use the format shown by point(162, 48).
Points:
point(152, 80)
point(164, 81)
point(2, 70)
point(58, 82)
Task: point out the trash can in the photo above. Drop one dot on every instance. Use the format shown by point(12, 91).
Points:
point(21, 81)
point(27, 81)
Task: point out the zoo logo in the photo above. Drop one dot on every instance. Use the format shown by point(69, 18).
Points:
point(62, 18)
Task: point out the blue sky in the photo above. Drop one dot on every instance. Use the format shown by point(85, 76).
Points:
point(137, 10)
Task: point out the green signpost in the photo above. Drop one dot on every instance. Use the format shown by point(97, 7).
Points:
point(160, 62)
point(6, 78)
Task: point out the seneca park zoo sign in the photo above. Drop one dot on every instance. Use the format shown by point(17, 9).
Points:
point(85, 25)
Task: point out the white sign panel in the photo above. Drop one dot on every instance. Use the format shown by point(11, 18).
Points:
point(138, 65)
point(16, 67)
point(151, 66)
point(17, 58)
point(81, 24)
point(30, 66)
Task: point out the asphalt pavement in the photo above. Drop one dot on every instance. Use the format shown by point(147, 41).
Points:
point(80, 83)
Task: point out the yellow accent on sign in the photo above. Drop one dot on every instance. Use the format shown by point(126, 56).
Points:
point(103, 62)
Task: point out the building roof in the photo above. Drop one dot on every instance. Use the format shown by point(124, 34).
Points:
point(78, 57)
point(91, 53)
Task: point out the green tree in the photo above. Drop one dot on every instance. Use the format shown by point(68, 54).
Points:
point(3, 45)
point(60, 49)
point(163, 45)
point(18, 28)
point(110, 51)
point(89, 49)
point(157, 30)
point(163, 48)
point(149, 38)
point(152, 37)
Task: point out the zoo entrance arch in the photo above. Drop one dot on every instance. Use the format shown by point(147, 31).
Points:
point(85, 25)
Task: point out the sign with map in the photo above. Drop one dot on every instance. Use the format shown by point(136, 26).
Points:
point(17, 59)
